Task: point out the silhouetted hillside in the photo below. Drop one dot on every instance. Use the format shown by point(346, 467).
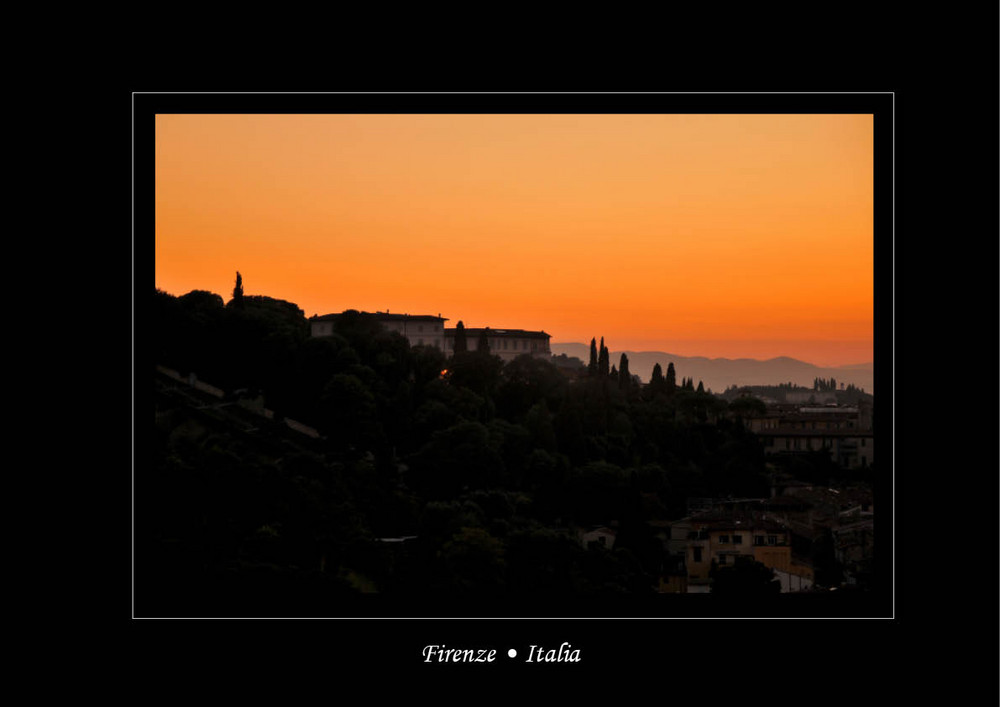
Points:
point(290, 475)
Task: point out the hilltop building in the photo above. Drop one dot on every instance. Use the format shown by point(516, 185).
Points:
point(419, 329)
point(428, 330)
point(508, 344)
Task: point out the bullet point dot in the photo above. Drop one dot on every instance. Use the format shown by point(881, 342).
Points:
point(511, 653)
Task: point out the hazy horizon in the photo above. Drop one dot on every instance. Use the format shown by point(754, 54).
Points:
point(710, 351)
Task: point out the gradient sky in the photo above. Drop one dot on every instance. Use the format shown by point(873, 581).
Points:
point(714, 235)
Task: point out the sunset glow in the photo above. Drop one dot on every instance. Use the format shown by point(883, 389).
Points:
point(738, 236)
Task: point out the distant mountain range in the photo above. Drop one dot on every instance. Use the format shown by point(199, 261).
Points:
point(719, 373)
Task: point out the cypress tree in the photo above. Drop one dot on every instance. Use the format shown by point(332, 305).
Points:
point(461, 345)
point(624, 378)
point(671, 378)
point(484, 341)
point(592, 366)
point(656, 383)
point(238, 290)
point(603, 362)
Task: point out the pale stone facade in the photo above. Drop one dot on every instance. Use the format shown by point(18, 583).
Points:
point(428, 330)
point(419, 329)
point(508, 344)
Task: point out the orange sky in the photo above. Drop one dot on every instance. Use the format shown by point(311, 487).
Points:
point(713, 235)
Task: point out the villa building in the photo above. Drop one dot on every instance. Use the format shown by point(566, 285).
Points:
point(428, 330)
point(419, 329)
point(508, 344)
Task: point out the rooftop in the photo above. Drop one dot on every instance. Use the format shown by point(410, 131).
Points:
point(736, 521)
point(474, 332)
point(383, 316)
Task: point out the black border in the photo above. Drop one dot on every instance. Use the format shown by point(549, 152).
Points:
point(687, 618)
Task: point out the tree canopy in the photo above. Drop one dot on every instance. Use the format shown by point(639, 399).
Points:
point(457, 473)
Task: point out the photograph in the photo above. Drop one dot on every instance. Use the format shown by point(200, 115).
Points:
point(556, 357)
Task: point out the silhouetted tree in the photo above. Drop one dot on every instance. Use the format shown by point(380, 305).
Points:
point(624, 377)
point(461, 345)
point(671, 378)
point(829, 572)
point(603, 361)
point(747, 406)
point(701, 386)
point(238, 290)
point(592, 366)
point(484, 342)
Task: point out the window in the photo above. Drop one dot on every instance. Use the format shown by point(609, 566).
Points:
point(722, 559)
point(737, 540)
point(772, 539)
point(724, 539)
point(758, 539)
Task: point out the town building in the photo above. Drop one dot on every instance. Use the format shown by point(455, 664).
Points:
point(847, 433)
point(724, 539)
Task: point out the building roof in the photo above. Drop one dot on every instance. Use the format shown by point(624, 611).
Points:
point(383, 317)
point(514, 333)
point(736, 521)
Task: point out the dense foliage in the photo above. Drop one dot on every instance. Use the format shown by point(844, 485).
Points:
point(460, 476)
